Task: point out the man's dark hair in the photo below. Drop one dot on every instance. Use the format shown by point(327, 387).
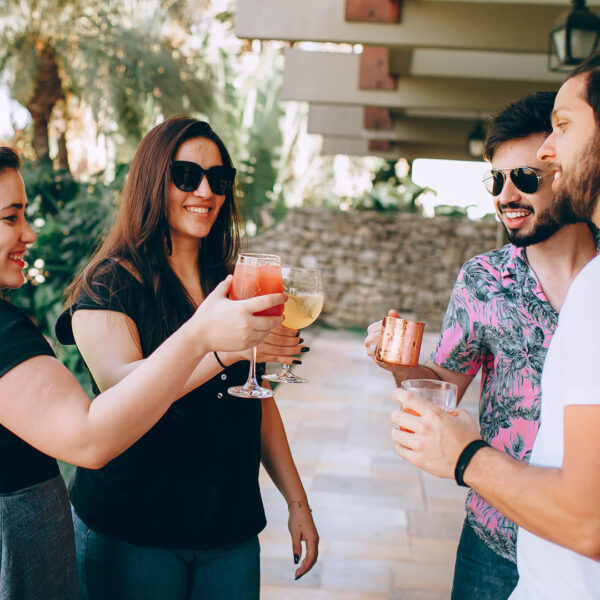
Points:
point(591, 68)
point(520, 120)
point(9, 159)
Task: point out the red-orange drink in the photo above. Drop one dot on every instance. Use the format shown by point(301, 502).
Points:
point(410, 411)
point(257, 280)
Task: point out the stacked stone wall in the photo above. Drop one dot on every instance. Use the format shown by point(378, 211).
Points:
point(373, 261)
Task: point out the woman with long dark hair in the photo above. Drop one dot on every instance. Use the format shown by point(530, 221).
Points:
point(177, 515)
point(44, 412)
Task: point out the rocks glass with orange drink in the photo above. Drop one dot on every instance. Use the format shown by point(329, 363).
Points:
point(256, 275)
point(440, 393)
point(304, 290)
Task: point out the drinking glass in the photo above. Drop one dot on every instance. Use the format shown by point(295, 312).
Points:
point(256, 275)
point(304, 304)
point(440, 393)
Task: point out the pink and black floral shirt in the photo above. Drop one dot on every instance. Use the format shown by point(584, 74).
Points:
point(500, 321)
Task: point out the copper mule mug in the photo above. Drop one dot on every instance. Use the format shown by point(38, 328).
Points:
point(400, 342)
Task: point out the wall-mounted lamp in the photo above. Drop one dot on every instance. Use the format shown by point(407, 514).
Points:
point(475, 141)
point(573, 38)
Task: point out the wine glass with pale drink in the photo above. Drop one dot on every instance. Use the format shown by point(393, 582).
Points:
point(256, 275)
point(304, 290)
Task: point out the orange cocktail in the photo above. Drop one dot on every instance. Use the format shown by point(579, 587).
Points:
point(410, 411)
point(250, 280)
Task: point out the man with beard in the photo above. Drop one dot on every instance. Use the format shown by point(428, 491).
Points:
point(554, 499)
point(501, 317)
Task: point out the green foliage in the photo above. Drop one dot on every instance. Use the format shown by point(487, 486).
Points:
point(123, 59)
point(393, 191)
point(454, 212)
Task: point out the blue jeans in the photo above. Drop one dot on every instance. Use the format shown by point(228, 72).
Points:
point(480, 573)
point(113, 570)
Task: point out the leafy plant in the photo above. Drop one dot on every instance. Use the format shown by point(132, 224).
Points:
point(393, 190)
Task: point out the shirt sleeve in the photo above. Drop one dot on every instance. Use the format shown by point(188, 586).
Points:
point(112, 290)
point(459, 346)
point(20, 340)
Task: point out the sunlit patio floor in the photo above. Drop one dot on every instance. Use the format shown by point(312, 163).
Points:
point(387, 530)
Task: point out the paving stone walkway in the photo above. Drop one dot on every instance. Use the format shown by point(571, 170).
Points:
point(388, 531)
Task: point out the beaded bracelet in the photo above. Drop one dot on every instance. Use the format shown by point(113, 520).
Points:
point(300, 504)
point(465, 458)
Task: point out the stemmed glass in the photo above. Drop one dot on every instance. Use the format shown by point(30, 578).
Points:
point(256, 275)
point(304, 304)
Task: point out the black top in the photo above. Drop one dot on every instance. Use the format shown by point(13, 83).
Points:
point(21, 465)
point(192, 480)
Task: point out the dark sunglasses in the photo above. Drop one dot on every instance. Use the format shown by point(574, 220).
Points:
point(525, 179)
point(187, 176)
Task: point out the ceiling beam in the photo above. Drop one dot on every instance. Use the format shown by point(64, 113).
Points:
point(348, 122)
point(332, 78)
point(463, 25)
point(394, 151)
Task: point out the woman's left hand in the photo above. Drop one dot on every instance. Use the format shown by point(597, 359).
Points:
point(280, 345)
point(302, 529)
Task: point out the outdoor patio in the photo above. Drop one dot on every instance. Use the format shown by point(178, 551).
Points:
point(387, 530)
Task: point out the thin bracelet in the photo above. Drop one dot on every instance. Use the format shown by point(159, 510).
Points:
point(300, 504)
point(219, 360)
point(465, 458)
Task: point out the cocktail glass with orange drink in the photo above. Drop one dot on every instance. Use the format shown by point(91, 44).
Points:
point(304, 289)
point(256, 275)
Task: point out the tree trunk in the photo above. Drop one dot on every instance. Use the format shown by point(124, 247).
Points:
point(63, 154)
point(47, 92)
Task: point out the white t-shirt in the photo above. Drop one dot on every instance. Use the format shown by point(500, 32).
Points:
point(571, 375)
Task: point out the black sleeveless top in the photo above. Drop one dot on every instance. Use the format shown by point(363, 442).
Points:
point(192, 480)
point(21, 465)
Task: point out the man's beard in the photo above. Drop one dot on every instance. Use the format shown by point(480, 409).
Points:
point(578, 194)
point(547, 223)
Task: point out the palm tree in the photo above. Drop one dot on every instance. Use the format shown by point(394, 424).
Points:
point(125, 59)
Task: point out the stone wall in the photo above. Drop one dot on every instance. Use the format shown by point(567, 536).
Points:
point(373, 261)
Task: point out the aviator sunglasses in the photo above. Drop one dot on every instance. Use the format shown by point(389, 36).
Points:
point(187, 176)
point(525, 179)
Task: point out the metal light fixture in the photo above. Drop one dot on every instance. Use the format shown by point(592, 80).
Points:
point(475, 141)
point(573, 38)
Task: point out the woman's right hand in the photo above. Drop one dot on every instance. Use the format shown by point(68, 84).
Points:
point(231, 325)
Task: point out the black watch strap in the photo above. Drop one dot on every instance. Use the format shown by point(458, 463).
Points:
point(465, 458)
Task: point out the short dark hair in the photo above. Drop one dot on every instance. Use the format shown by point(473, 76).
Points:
point(591, 68)
point(9, 159)
point(520, 120)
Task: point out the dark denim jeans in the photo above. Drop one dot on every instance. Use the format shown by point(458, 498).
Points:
point(480, 573)
point(113, 570)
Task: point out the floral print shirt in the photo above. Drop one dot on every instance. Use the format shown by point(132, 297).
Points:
point(499, 320)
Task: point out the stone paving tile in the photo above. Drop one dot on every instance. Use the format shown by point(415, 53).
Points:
point(279, 571)
point(416, 595)
point(420, 576)
point(270, 592)
point(357, 575)
point(439, 524)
